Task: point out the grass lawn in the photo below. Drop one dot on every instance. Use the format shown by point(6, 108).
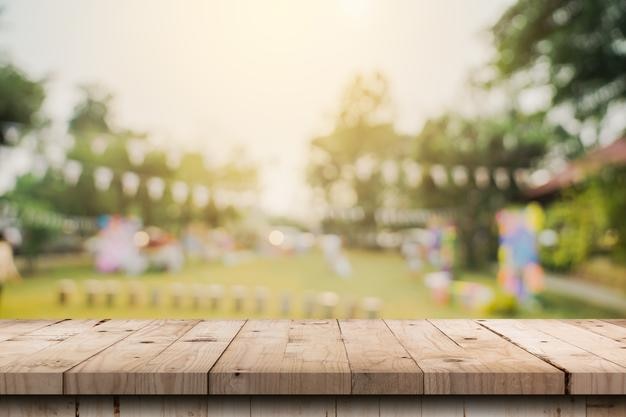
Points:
point(382, 275)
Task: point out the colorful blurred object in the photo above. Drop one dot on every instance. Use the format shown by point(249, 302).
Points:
point(519, 272)
point(121, 245)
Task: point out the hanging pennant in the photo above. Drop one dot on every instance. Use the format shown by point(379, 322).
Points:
point(501, 178)
point(156, 188)
point(180, 192)
point(389, 171)
point(200, 196)
point(136, 151)
point(130, 183)
point(364, 167)
point(103, 177)
point(439, 175)
point(39, 167)
point(481, 177)
point(520, 175)
point(72, 171)
point(99, 145)
point(11, 133)
point(459, 175)
point(173, 159)
point(412, 173)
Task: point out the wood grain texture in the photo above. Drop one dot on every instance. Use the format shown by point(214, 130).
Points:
point(112, 371)
point(96, 406)
point(462, 357)
point(378, 362)
point(42, 372)
point(293, 406)
point(443, 407)
point(606, 406)
point(617, 322)
point(165, 406)
point(314, 406)
point(599, 345)
point(37, 406)
point(183, 368)
point(313, 357)
point(550, 406)
point(283, 357)
point(12, 328)
point(18, 346)
point(610, 330)
point(401, 406)
point(588, 373)
point(229, 406)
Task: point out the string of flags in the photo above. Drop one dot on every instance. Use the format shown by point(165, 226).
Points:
point(156, 187)
point(412, 174)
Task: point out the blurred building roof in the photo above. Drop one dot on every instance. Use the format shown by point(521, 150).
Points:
point(576, 171)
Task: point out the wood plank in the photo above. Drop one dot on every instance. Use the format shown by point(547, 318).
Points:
point(112, 371)
point(12, 328)
point(588, 373)
point(96, 406)
point(37, 407)
point(229, 406)
point(462, 357)
point(42, 372)
point(400, 406)
point(151, 406)
point(617, 322)
point(358, 406)
point(599, 345)
point(15, 349)
point(292, 407)
point(612, 331)
point(443, 407)
point(528, 406)
point(378, 362)
point(183, 368)
point(606, 406)
point(283, 357)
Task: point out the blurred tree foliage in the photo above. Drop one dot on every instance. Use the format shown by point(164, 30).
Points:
point(577, 47)
point(510, 141)
point(20, 99)
point(91, 120)
point(344, 164)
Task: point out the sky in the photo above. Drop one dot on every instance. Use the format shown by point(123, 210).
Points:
point(264, 76)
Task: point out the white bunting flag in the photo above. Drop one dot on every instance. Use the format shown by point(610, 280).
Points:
point(459, 175)
point(156, 188)
point(412, 173)
point(103, 177)
point(180, 192)
point(72, 171)
point(501, 178)
point(481, 177)
point(200, 196)
point(136, 151)
point(130, 183)
point(99, 145)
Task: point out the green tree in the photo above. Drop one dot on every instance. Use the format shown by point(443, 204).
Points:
point(507, 143)
point(577, 47)
point(363, 135)
point(20, 99)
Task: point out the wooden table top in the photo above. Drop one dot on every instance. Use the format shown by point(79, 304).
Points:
point(334, 357)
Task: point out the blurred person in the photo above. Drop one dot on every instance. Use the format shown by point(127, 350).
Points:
point(8, 271)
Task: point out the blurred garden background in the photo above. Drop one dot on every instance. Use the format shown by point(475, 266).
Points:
point(328, 159)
